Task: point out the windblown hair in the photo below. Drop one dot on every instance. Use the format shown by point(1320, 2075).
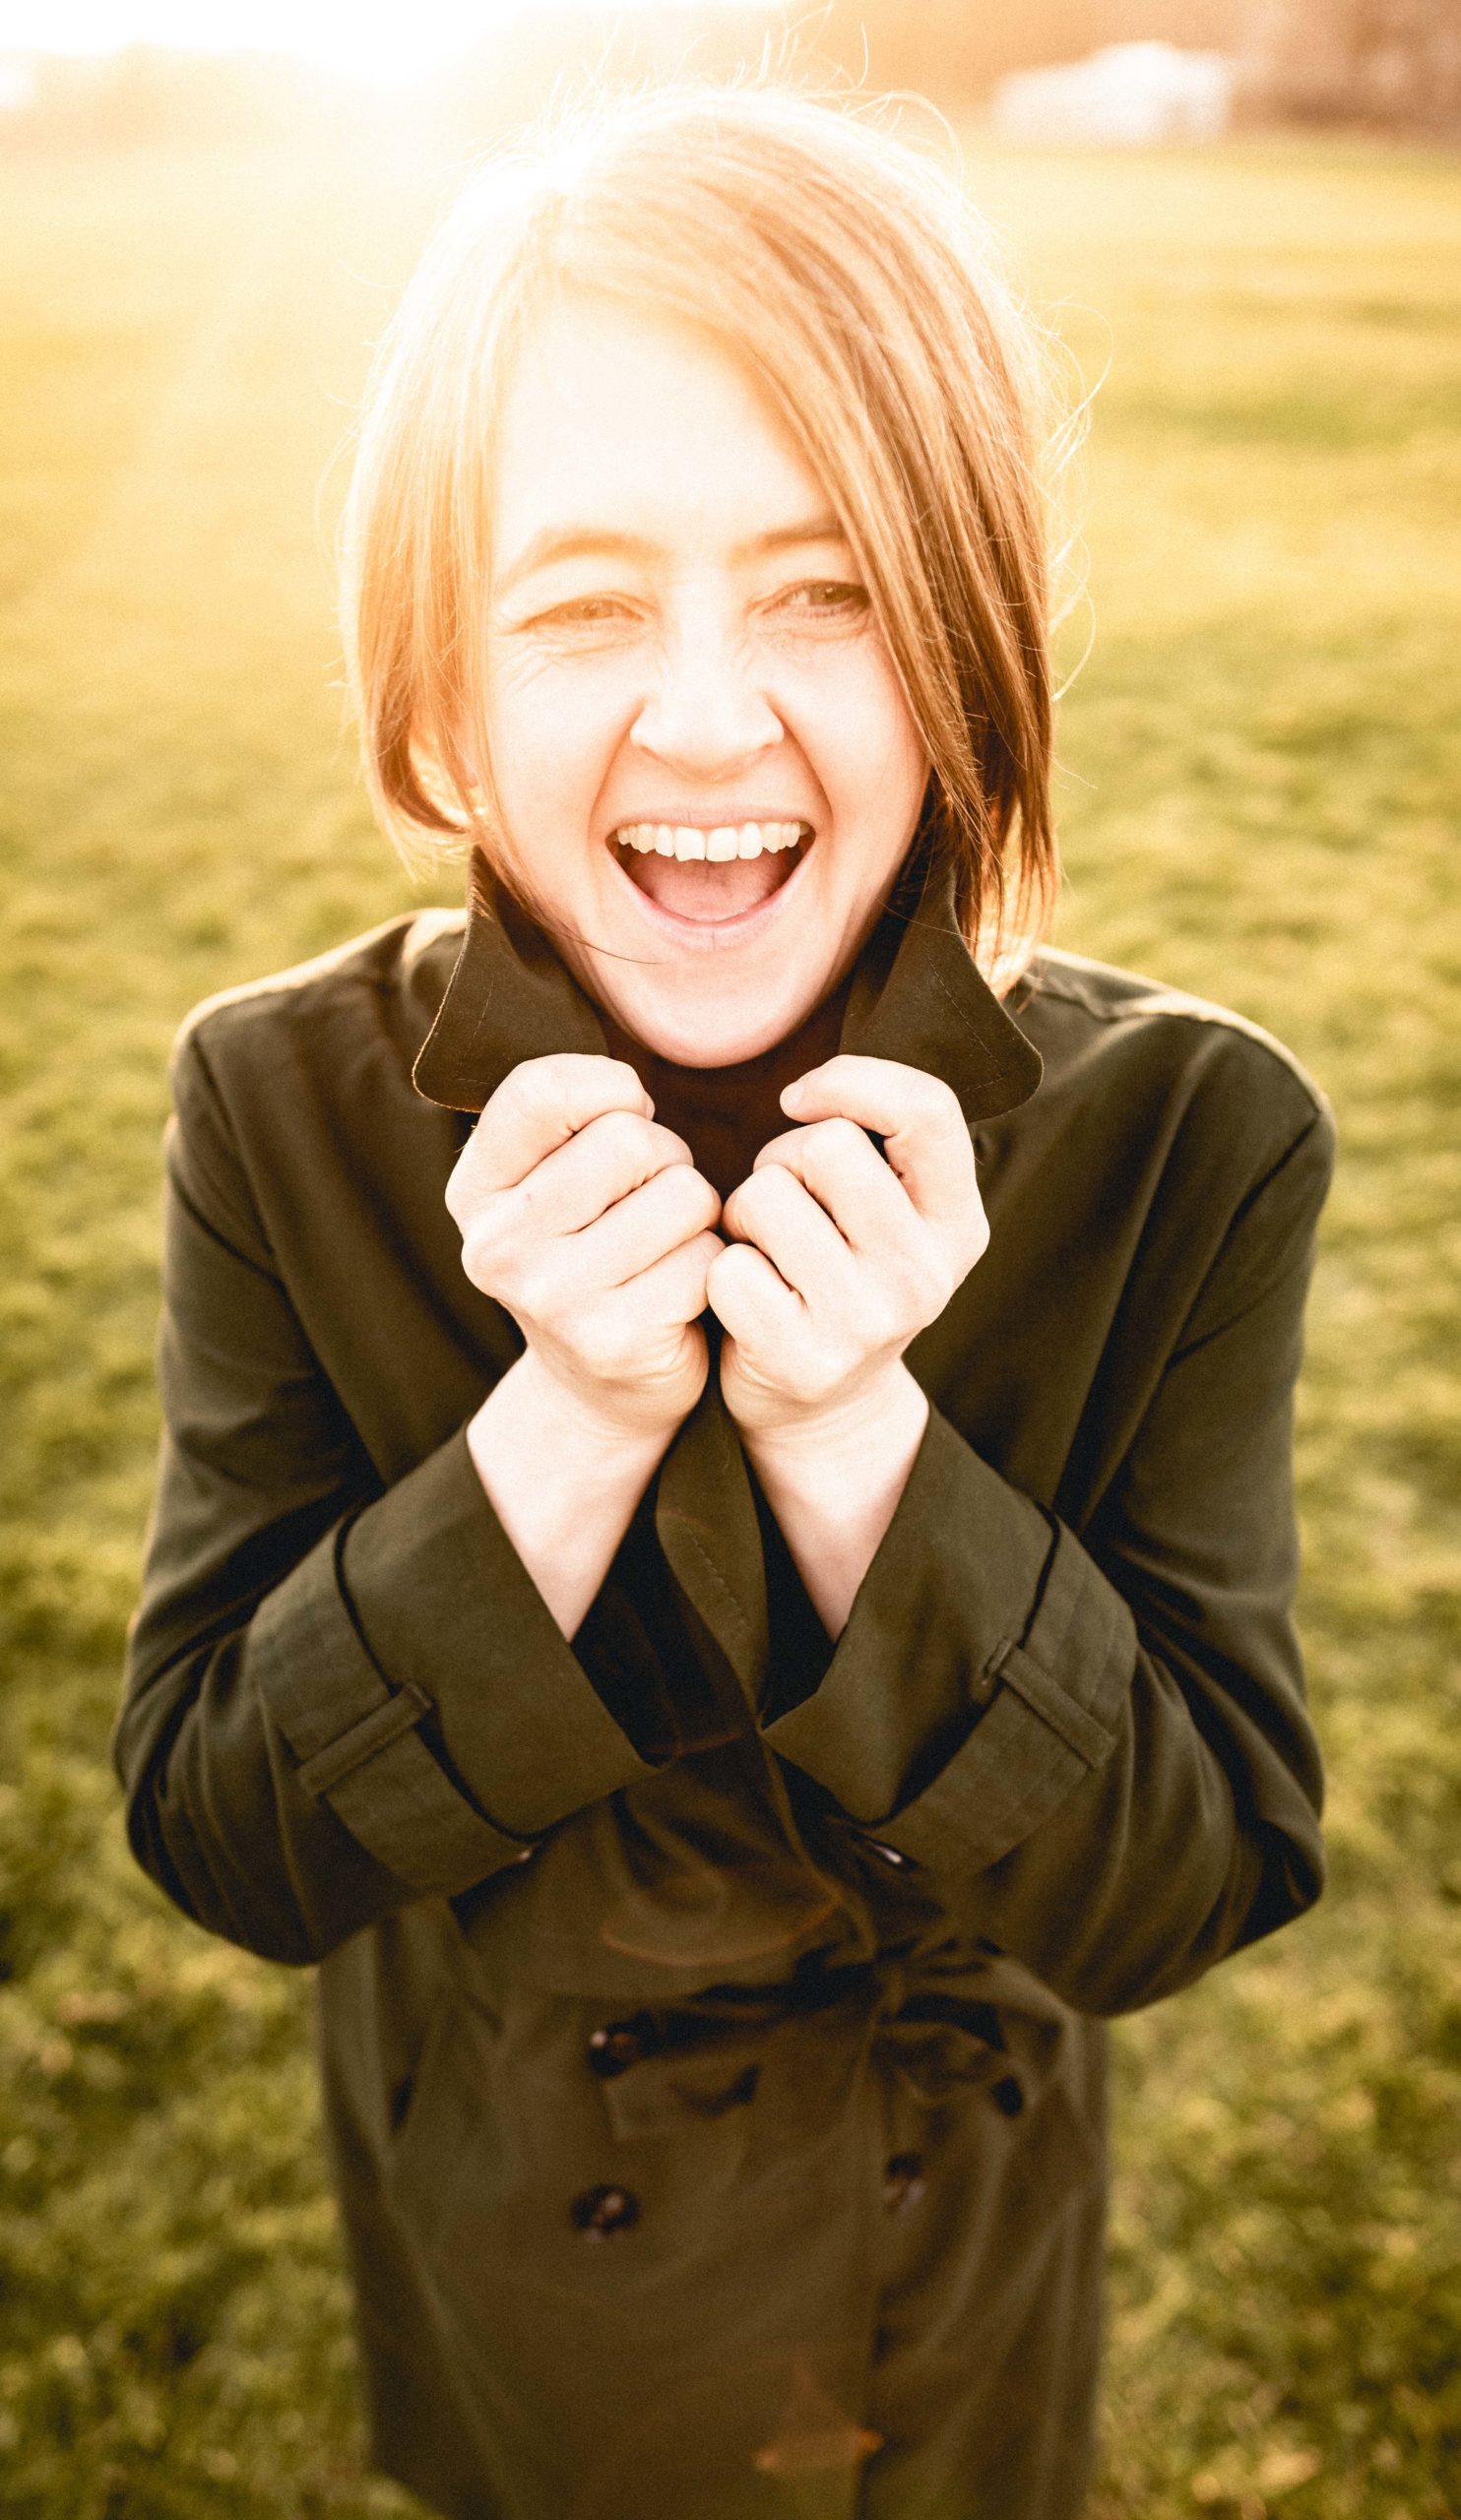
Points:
point(847, 272)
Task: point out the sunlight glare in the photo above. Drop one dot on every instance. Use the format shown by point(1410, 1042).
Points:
point(380, 41)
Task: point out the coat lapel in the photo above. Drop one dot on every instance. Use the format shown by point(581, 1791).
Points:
point(509, 998)
point(916, 997)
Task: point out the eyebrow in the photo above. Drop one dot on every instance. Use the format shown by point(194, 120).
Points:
point(591, 541)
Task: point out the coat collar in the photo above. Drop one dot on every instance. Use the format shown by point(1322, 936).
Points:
point(917, 996)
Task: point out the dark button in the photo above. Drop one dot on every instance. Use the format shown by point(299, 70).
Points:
point(903, 2182)
point(614, 2049)
point(602, 2213)
point(1007, 2097)
point(621, 2044)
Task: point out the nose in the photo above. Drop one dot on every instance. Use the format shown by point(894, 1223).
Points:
point(704, 714)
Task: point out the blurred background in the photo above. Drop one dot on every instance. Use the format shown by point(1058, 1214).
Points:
point(1243, 220)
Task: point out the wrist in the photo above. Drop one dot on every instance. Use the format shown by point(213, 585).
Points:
point(880, 1419)
point(563, 1483)
point(833, 1481)
point(568, 1425)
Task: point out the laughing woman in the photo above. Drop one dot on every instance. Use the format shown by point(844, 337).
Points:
point(737, 1603)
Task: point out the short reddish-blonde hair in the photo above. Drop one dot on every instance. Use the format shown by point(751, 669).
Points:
point(849, 273)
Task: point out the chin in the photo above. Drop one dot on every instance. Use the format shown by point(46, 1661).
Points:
point(695, 1033)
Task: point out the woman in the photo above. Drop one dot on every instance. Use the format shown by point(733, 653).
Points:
point(738, 1603)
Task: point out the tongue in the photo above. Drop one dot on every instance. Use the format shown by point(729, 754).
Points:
point(695, 888)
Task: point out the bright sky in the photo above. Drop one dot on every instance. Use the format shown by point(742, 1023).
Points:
point(379, 38)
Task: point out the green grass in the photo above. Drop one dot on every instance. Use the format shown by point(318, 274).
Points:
point(1258, 797)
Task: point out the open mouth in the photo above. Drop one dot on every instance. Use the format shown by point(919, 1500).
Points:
point(710, 876)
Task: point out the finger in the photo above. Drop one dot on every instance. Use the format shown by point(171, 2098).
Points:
point(673, 1207)
point(839, 1165)
point(752, 1302)
point(925, 1136)
point(541, 1103)
point(640, 1333)
point(779, 1214)
point(673, 1289)
point(605, 1161)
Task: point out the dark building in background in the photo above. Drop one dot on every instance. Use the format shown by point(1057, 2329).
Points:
point(1388, 64)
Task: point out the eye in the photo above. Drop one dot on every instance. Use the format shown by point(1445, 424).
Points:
point(586, 611)
point(826, 599)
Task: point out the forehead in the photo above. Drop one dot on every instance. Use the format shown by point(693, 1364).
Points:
point(646, 426)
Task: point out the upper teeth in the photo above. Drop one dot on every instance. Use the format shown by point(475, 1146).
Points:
point(727, 839)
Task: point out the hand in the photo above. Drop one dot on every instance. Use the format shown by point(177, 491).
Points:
point(590, 1223)
point(837, 1257)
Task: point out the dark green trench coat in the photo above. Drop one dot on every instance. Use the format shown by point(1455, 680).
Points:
point(711, 2018)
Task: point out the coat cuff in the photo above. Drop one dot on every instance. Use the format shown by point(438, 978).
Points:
point(981, 1675)
point(420, 1678)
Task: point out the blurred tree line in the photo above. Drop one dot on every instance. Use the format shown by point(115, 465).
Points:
point(1387, 64)
point(954, 50)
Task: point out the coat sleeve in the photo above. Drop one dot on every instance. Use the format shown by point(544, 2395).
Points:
point(337, 1699)
point(1098, 1745)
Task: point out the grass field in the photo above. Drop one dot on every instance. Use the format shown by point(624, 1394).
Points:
point(1260, 768)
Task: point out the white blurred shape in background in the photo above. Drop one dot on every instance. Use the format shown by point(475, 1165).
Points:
point(1127, 95)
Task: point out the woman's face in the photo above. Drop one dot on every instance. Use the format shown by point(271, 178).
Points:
point(681, 657)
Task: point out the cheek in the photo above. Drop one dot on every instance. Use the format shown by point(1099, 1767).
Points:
point(872, 757)
point(890, 721)
point(552, 736)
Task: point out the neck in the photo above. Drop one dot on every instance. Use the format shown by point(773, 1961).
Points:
point(725, 1114)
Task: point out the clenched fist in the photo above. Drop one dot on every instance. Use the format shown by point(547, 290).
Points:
point(590, 1225)
point(837, 1255)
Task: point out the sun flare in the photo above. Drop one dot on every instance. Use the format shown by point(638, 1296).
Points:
point(374, 40)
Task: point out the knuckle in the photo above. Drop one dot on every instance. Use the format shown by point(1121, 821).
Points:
point(483, 1246)
point(680, 1203)
point(634, 1148)
point(469, 1183)
point(667, 1144)
point(882, 1322)
point(740, 1206)
point(841, 1137)
point(764, 1192)
point(754, 1204)
point(702, 1201)
point(929, 1095)
point(618, 1135)
point(535, 1086)
point(476, 1262)
point(535, 1293)
point(727, 1274)
point(911, 1291)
